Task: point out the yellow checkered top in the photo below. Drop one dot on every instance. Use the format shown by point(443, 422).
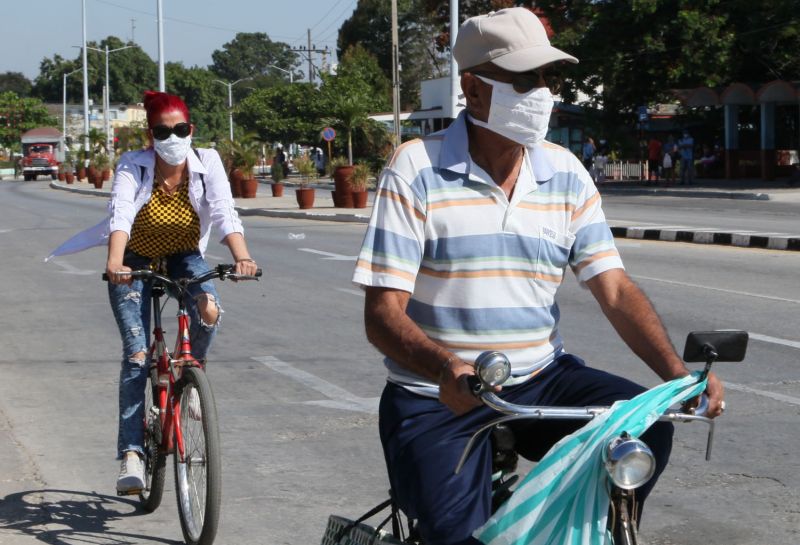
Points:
point(166, 225)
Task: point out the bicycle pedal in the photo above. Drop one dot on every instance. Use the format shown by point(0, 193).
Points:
point(132, 492)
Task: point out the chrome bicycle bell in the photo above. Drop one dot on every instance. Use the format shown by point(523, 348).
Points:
point(493, 368)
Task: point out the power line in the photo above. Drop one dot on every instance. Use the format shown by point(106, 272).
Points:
point(186, 22)
point(336, 20)
point(326, 15)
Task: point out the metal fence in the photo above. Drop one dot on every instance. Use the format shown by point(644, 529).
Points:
point(624, 171)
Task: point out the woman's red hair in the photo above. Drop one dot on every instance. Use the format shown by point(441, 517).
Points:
point(157, 103)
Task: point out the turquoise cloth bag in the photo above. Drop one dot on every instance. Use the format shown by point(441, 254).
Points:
point(564, 499)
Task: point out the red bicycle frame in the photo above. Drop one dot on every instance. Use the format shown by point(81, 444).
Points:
point(169, 372)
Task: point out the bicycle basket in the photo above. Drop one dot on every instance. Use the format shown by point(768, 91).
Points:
point(337, 533)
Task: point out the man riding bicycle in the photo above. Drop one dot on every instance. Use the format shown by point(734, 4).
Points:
point(467, 244)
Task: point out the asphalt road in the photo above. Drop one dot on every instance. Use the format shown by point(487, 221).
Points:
point(774, 216)
point(296, 386)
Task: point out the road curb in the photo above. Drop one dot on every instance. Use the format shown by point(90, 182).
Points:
point(722, 238)
point(318, 216)
point(695, 193)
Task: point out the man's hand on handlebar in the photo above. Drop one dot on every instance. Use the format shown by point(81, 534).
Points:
point(113, 271)
point(454, 391)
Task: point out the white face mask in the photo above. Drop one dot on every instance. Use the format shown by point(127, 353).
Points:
point(173, 150)
point(521, 117)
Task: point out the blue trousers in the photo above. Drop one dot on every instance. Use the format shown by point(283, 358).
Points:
point(131, 306)
point(423, 440)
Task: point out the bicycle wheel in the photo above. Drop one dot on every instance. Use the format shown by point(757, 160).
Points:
point(155, 459)
point(198, 478)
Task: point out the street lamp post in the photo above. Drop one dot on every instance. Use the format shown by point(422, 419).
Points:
point(107, 95)
point(85, 87)
point(230, 100)
point(64, 109)
point(291, 75)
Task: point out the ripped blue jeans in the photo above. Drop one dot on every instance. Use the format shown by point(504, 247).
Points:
point(131, 307)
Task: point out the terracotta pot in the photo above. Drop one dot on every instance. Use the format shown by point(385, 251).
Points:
point(249, 188)
point(236, 178)
point(81, 173)
point(69, 177)
point(96, 178)
point(106, 174)
point(61, 177)
point(342, 200)
point(305, 197)
point(360, 199)
point(277, 190)
point(341, 181)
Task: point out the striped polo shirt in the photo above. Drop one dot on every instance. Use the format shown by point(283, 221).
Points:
point(482, 270)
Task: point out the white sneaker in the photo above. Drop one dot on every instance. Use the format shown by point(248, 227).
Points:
point(131, 473)
point(195, 410)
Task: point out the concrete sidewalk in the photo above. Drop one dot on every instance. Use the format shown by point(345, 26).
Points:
point(264, 204)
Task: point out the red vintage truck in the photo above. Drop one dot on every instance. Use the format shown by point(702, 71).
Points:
point(42, 152)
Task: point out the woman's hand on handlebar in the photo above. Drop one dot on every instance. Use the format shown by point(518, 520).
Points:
point(246, 267)
point(113, 271)
point(454, 391)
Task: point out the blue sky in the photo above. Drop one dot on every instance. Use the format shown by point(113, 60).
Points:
point(193, 29)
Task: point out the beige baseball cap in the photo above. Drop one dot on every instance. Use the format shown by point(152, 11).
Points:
point(513, 39)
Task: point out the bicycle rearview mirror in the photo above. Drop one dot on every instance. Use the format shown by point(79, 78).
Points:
point(725, 345)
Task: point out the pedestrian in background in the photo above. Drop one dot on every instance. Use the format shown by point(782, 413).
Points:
point(588, 152)
point(686, 147)
point(654, 157)
point(667, 167)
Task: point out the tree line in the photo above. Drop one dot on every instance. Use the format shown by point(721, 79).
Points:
point(632, 53)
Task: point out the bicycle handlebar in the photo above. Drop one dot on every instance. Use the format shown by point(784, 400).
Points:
point(223, 272)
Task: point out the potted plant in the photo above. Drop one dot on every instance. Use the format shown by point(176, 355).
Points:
point(246, 157)
point(277, 175)
point(227, 154)
point(61, 172)
point(82, 157)
point(69, 171)
point(308, 171)
point(103, 165)
point(96, 167)
point(343, 190)
point(359, 183)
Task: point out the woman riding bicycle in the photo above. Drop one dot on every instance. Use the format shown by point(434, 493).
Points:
point(164, 200)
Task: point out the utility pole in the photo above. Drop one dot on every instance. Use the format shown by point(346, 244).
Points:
point(162, 84)
point(230, 100)
point(454, 84)
point(310, 65)
point(307, 52)
point(85, 88)
point(395, 77)
point(133, 30)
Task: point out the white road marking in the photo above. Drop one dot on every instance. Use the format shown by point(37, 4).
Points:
point(772, 395)
point(359, 293)
point(774, 340)
point(338, 398)
point(687, 284)
point(329, 255)
point(70, 269)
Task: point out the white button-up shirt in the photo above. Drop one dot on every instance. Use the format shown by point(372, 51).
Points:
point(210, 197)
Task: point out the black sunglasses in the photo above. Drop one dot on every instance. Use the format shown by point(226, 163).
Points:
point(162, 132)
point(525, 82)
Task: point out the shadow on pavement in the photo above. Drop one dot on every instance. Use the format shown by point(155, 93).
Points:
point(67, 517)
